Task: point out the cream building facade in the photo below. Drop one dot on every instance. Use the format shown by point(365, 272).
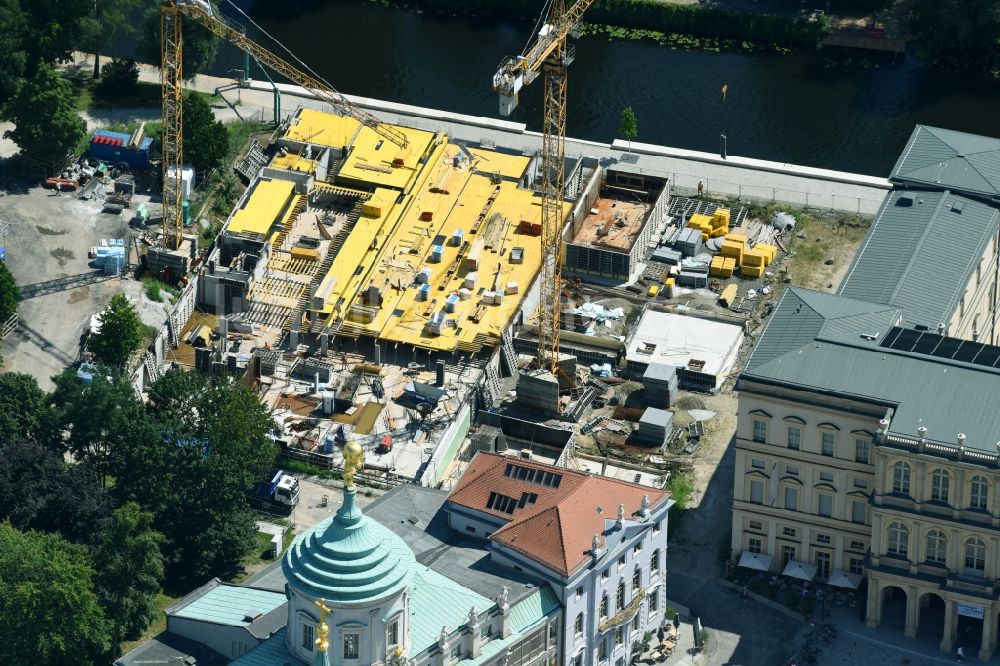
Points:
point(867, 449)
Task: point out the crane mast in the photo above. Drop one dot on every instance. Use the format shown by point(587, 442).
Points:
point(550, 54)
point(172, 79)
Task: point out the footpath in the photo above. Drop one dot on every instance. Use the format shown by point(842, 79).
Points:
point(744, 178)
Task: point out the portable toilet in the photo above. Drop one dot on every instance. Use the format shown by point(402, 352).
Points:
point(424, 276)
point(437, 252)
point(450, 303)
point(456, 238)
point(423, 293)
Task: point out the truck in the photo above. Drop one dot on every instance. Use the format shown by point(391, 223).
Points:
point(279, 495)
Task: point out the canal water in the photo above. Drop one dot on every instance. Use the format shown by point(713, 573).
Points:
point(788, 108)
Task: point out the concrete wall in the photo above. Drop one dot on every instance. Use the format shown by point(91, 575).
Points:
point(230, 641)
point(447, 447)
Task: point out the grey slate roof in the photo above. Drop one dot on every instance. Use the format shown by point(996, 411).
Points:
point(921, 256)
point(814, 342)
point(171, 649)
point(945, 159)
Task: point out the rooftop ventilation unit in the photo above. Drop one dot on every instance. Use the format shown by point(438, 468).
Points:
point(906, 199)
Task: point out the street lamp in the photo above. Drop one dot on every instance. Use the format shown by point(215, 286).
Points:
point(239, 83)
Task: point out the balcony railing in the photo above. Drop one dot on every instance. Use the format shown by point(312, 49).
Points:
point(625, 614)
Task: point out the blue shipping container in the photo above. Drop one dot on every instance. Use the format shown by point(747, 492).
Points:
point(113, 147)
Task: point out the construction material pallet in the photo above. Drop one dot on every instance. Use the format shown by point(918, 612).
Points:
point(687, 206)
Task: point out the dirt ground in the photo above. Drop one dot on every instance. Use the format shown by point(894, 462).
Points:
point(819, 238)
point(719, 431)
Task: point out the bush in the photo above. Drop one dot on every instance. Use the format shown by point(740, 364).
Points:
point(669, 613)
point(703, 636)
point(119, 78)
point(792, 599)
point(762, 587)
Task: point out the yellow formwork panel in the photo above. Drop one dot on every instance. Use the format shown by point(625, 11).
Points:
point(381, 200)
point(291, 162)
point(752, 271)
point(509, 166)
point(770, 251)
point(699, 221)
point(322, 129)
point(373, 159)
point(263, 207)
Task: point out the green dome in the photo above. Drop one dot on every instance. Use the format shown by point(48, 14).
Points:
point(348, 558)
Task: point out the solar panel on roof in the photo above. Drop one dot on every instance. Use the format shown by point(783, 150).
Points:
point(988, 355)
point(947, 347)
point(932, 344)
point(968, 351)
point(927, 343)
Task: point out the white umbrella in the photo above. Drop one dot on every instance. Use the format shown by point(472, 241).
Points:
point(800, 570)
point(755, 561)
point(843, 579)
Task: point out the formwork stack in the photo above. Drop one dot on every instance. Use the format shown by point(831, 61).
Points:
point(757, 259)
point(655, 426)
point(660, 383)
point(710, 226)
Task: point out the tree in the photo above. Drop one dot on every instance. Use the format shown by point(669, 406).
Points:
point(108, 19)
point(9, 293)
point(129, 572)
point(120, 78)
point(120, 334)
point(22, 403)
point(206, 140)
point(47, 125)
point(960, 34)
point(200, 45)
point(628, 128)
point(41, 491)
point(13, 56)
point(190, 463)
point(90, 421)
point(49, 613)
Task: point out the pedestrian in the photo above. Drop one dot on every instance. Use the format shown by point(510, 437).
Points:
point(677, 621)
point(701, 188)
point(960, 652)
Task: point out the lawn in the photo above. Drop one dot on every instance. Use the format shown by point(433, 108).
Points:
point(260, 556)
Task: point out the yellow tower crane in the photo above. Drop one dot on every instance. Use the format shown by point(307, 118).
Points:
point(550, 53)
point(172, 80)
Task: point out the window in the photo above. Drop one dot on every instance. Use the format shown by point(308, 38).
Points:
point(486, 631)
point(636, 548)
point(826, 476)
point(788, 532)
point(858, 512)
point(579, 592)
point(899, 538)
point(975, 558)
point(794, 437)
point(756, 525)
point(656, 528)
point(861, 483)
point(794, 471)
point(979, 274)
point(604, 606)
point(760, 431)
point(621, 561)
point(578, 625)
point(823, 538)
point(553, 629)
point(620, 597)
point(602, 649)
point(857, 566)
point(308, 638)
point(787, 554)
point(858, 545)
point(901, 478)
point(392, 634)
point(635, 622)
point(636, 580)
point(939, 486)
point(352, 645)
point(754, 545)
point(456, 652)
point(654, 601)
point(936, 548)
point(654, 562)
point(605, 575)
point(619, 636)
point(756, 492)
point(823, 565)
point(470, 528)
point(578, 660)
point(978, 493)
point(791, 498)
point(828, 439)
point(757, 463)
point(861, 450)
point(826, 505)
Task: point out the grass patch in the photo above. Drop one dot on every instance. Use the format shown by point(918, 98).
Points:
point(681, 488)
point(260, 555)
point(299, 467)
point(154, 289)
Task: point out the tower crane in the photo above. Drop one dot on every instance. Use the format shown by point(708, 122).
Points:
point(172, 12)
point(550, 53)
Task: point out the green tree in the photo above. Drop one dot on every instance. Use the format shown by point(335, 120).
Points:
point(90, 421)
point(46, 123)
point(22, 403)
point(206, 140)
point(49, 613)
point(120, 78)
point(39, 490)
point(9, 293)
point(200, 44)
point(121, 332)
point(961, 34)
point(190, 463)
point(628, 128)
point(107, 20)
point(13, 56)
point(129, 569)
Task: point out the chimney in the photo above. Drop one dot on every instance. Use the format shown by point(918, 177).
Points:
point(941, 329)
point(961, 439)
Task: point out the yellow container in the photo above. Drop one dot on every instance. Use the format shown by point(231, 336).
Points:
point(729, 263)
point(752, 271)
point(699, 221)
point(754, 257)
point(728, 295)
point(721, 218)
point(769, 250)
point(305, 253)
point(653, 290)
point(737, 238)
point(732, 249)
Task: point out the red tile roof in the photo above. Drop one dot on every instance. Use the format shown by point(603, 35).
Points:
point(556, 529)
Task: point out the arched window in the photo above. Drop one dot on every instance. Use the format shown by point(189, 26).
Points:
point(636, 580)
point(654, 562)
point(937, 547)
point(979, 493)
point(578, 625)
point(899, 538)
point(620, 597)
point(939, 486)
point(901, 478)
point(975, 558)
point(604, 605)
